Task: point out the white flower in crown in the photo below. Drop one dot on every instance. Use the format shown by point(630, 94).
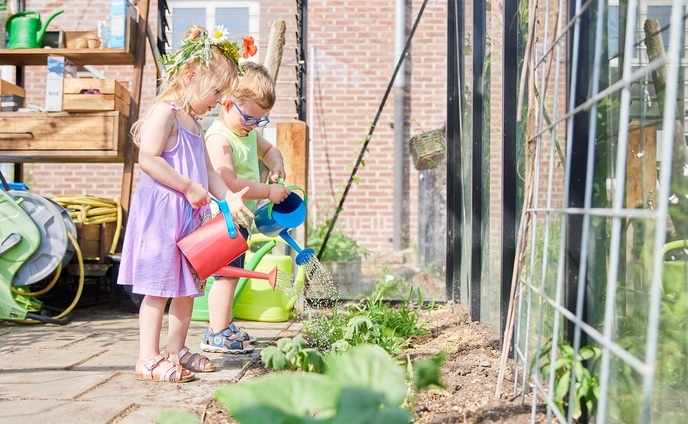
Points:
point(219, 34)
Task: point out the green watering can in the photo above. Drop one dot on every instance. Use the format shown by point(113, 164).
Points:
point(25, 29)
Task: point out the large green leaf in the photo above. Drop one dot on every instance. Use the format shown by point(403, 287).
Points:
point(362, 385)
point(362, 406)
point(371, 367)
point(293, 394)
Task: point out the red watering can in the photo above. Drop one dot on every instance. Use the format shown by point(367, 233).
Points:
point(215, 244)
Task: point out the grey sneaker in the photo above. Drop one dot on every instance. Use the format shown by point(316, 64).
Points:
point(224, 342)
point(241, 334)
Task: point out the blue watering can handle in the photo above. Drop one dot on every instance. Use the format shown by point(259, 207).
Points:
point(292, 188)
point(224, 208)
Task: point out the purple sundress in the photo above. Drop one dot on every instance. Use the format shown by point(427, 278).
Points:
point(159, 216)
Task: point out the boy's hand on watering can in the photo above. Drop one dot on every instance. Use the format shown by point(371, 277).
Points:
point(236, 205)
point(278, 193)
point(276, 173)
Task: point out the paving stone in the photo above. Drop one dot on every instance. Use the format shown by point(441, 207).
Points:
point(83, 371)
point(42, 411)
point(48, 384)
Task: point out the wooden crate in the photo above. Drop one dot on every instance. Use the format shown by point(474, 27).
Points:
point(78, 39)
point(73, 137)
point(78, 95)
point(95, 241)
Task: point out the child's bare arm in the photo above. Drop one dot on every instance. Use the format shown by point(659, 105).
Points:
point(272, 158)
point(156, 134)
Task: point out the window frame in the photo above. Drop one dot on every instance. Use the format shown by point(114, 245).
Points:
point(210, 7)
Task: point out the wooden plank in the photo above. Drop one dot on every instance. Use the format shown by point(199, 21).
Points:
point(104, 86)
point(136, 81)
point(63, 137)
point(293, 142)
point(93, 103)
point(9, 89)
point(39, 57)
point(641, 165)
point(39, 131)
point(79, 57)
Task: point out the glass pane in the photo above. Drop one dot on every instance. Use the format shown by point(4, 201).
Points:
point(613, 31)
point(182, 18)
point(235, 19)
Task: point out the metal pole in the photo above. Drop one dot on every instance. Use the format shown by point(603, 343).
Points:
point(399, 97)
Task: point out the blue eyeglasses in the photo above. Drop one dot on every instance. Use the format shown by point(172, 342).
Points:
point(249, 122)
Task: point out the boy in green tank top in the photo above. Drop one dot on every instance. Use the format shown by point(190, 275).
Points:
point(235, 149)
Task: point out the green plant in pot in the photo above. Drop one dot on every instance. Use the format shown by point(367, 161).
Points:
point(341, 258)
point(340, 247)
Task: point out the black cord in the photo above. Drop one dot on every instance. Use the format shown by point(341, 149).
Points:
point(372, 128)
point(4, 182)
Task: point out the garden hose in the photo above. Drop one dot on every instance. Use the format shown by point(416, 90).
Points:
point(90, 210)
point(45, 289)
point(34, 318)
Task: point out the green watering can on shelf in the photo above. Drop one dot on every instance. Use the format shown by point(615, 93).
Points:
point(25, 29)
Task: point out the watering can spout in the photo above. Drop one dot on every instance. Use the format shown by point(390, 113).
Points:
point(41, 32)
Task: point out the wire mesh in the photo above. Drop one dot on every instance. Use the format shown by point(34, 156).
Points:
point(598, 318)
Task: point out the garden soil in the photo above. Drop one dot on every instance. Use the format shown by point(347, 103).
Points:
point(469, 374)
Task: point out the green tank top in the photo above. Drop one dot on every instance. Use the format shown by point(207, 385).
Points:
point(245, 152)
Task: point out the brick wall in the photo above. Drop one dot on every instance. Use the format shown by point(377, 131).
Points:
point(350, 62)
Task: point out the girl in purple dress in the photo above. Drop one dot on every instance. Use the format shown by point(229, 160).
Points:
point(172, 199)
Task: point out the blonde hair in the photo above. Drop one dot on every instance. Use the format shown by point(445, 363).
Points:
point(192, 81)
point(255, 84)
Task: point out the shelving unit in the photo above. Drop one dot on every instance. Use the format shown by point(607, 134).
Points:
point(78, 137)
point(39, 57)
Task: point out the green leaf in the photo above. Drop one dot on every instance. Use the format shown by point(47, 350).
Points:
point(562, 387)
point(588, 352)
point(427, 372)
point(576, 407)
point(359, 405)
point(299, 341)
point(284, 344)
point(290, 394)
point(273, 358)
point(313, 361)
point(170, 416)
point(562, 363)
point(371, 367)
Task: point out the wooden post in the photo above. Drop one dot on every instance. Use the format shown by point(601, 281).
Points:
point(273, 55)
point(137, 79)
point(679, 155)
point(293, 142)
point(641, 165)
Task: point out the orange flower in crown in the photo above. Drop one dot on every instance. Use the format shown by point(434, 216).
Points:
point(248, 48)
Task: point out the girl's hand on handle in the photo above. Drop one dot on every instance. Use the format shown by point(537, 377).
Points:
point(278, 193)
point(236, 205)
point(196, 195)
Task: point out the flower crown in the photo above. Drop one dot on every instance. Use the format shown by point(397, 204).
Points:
point(200, 48)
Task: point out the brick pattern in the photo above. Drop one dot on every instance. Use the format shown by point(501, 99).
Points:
point(351, 57)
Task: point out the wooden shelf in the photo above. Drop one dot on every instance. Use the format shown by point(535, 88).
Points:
point(79, 137)
point(63, 136)
point(80, 57)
